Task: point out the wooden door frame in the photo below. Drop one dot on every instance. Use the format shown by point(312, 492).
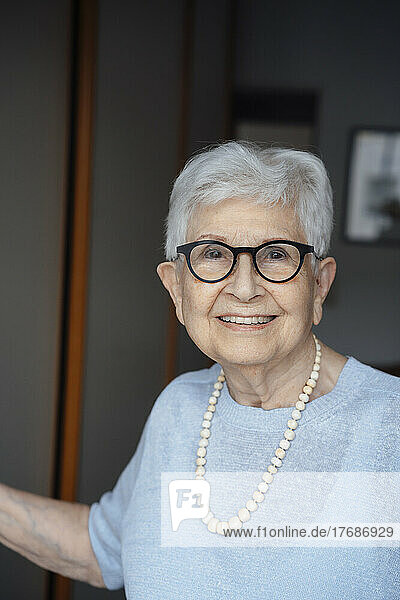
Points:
point(84, 27)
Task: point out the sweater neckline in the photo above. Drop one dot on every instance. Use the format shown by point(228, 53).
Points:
point(252, 417)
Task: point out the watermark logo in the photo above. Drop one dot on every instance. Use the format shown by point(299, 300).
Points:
point(188, 499)
point(308, 508)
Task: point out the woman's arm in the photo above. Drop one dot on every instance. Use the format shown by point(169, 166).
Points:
point(51, 533)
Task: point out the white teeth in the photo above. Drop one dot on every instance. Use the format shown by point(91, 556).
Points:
point(247, 320)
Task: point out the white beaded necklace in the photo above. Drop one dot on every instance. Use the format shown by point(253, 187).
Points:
point(215, 525)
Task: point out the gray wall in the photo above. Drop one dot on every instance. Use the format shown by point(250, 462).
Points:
point(135, 160)
point(33, 113)
point(349, 53)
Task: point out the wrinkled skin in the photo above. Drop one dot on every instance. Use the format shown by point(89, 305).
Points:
point(268, 367)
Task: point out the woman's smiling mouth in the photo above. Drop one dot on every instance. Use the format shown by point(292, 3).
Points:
point(237, 323)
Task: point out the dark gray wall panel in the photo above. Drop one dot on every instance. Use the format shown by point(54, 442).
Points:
point(34, 48)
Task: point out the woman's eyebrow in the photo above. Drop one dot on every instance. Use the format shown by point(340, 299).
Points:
point(214, 236)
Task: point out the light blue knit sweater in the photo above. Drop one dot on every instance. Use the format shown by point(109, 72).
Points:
point(355, 427)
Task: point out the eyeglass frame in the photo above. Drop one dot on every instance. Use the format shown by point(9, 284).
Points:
point(303, 249)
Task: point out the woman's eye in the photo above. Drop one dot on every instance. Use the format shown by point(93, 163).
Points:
point(275, 254)
point(272, 254)
point(212, 253)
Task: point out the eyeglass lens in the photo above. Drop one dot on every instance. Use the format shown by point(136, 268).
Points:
point(277, 262)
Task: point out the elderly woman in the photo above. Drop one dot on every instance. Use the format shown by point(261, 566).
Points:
point(248, 270)
point(248, 234)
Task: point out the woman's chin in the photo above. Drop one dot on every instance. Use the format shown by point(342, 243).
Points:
point(244, 358)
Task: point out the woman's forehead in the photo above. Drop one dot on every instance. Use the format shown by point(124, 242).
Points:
point(242, 219)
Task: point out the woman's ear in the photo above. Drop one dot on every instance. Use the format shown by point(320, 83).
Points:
point(169, 274)
point(323, 284)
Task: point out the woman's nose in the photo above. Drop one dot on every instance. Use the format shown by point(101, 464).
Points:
point(243, 279)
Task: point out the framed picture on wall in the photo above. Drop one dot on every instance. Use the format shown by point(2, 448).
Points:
point(372, 195)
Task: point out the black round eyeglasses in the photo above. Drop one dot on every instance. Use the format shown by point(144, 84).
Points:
point(277, 261)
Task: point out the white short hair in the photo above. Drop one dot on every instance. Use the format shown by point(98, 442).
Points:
point(262, 174)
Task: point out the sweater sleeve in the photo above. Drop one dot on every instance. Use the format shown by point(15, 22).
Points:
point(106, 518)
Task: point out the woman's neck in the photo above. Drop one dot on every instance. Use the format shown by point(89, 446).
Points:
point(278, 386)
